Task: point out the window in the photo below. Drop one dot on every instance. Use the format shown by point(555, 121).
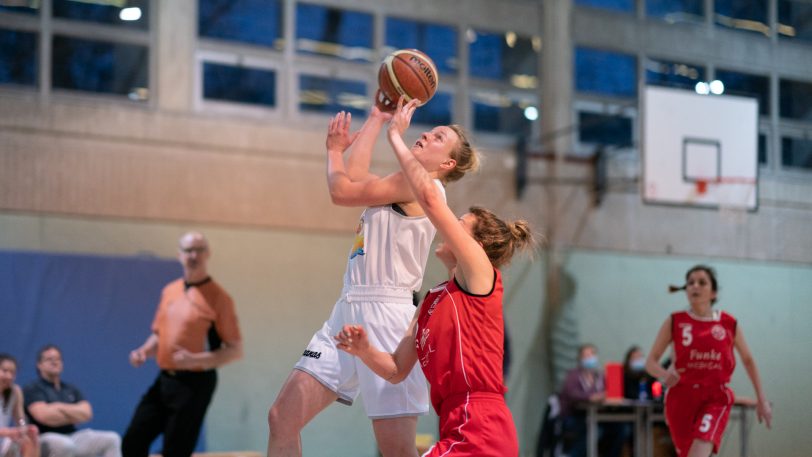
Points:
point(97, 66)
point(742, 15)
point(18, 57)
point(605, 72)
point(673, 74)
point(747, 85)
point(256, 22)
point(617, 5)
point(239, 84)
point(333, 32)
point(597, 128)
point(796, 153)
point(504, 57)
point(114, 61)
point(438, 41)
point(330, 95)
point(22, 7)
point(762, 149)
point(676, 10)
point(795, 19)
point(436, 112)
point(795, 100)
point(130, 14)
point(499, 113)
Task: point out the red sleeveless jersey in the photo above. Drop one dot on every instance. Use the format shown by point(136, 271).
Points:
point(703, 348)
point(460, 341)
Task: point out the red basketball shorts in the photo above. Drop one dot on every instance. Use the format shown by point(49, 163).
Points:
point(476, 425)
point(695, 411)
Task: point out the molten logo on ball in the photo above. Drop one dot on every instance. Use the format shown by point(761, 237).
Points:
point(426, 68)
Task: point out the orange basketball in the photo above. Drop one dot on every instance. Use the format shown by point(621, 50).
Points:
point(409, 73)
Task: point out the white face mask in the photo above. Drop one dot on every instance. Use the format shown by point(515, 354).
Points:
point(638, 364)
point(590, 363)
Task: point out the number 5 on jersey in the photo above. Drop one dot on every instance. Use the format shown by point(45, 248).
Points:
point(687, 338)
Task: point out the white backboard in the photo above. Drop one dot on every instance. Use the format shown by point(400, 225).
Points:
point(707, 139)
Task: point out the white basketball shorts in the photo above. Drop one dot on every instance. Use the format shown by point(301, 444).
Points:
point(385, 314)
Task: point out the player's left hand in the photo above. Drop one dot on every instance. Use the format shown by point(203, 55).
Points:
point(764, 411)
point(353, 339)
point(403, 115)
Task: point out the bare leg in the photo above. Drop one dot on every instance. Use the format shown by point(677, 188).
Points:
point(29, 446)
point(300, 400)
point(396, 436)
point(700, 448)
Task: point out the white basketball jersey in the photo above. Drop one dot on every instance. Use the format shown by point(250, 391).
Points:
point(390, 249)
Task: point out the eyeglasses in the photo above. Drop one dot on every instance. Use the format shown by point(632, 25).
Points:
point(51, 359)
point(195, 249)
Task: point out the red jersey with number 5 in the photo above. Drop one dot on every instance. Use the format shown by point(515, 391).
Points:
point(703, 347)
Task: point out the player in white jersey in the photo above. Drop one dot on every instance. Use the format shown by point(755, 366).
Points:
point(384, 268)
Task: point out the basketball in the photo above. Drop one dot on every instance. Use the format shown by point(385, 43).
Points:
point(409, 73)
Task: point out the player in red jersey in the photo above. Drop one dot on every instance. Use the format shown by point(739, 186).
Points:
point(457, 334)
point(698, 400)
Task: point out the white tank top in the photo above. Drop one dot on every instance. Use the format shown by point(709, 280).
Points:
point(7, 410)
point(390, 249)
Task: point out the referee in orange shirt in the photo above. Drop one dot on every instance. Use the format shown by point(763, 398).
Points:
point(195, 330)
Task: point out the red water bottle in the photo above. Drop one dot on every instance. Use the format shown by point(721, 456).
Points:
point(657, 390)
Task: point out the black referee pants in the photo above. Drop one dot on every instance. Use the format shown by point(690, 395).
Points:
point(174, 405)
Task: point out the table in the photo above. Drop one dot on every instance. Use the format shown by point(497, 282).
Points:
point(616, 410)
point(643, 414)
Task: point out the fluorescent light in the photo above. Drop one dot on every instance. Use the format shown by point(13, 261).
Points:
point(130, 14)
point(717, 87)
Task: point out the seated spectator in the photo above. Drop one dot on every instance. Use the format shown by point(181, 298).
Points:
point(636, 382)
point(56, 407)
point(585, 384)
point(16, 438)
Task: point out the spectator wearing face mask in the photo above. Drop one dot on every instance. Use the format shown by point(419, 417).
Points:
point(584, 384)
point(636, 382)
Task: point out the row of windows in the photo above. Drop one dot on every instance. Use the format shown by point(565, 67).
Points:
point(794, 19)
point(502, 67)
point(134, 15)
point(591, 76)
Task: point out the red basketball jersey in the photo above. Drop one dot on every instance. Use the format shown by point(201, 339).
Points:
point(460, 339)
point(703, 348)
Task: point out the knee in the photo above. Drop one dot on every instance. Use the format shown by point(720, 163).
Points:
point(61, 446)
point(113, 440)
point(280, 426)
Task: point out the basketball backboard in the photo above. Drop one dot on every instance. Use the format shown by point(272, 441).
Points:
point(699, 150)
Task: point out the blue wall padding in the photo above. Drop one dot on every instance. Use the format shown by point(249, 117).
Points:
point(96, 309)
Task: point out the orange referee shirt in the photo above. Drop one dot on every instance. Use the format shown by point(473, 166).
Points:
point(185, 316)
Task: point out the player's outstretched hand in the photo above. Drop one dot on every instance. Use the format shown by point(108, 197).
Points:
point(353, 339)
point(403, 116)
point(376, 111)
point(339, 137)
point(764, 411)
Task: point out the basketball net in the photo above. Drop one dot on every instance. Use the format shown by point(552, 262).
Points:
point(733, 195)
